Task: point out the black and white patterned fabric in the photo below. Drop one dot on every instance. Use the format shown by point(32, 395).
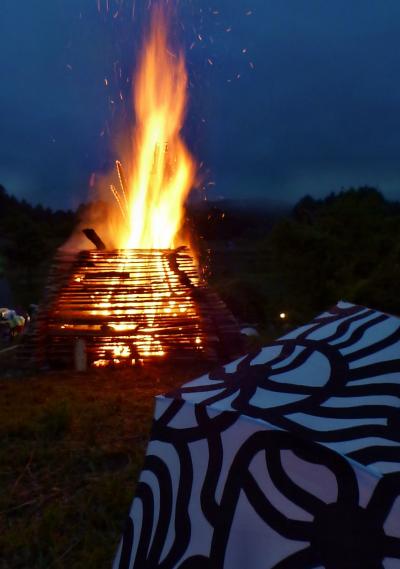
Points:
point(288, 458)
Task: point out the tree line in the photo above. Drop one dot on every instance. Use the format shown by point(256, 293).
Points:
point(345, 246)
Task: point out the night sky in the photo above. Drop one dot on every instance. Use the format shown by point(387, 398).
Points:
point(287, 97)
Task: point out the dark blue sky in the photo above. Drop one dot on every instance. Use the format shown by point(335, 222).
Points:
point(287, 97)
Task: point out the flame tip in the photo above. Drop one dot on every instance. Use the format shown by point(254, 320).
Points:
point(152, 195)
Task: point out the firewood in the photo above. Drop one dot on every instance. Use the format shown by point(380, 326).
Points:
point(94, 238)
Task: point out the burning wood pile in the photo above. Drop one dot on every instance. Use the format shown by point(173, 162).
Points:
point(142, 298)
point(129, 307)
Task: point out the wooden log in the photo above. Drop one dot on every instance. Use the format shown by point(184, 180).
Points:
point(130, 280)
point(94, 238)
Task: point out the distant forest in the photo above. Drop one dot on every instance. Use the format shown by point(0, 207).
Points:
point(343, 247)
point(263, 261)
point(29, 237)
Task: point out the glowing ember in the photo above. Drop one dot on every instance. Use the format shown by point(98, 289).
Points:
point(129, 307)
point(161, 169)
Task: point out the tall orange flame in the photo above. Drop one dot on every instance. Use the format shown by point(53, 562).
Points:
point(162, 169)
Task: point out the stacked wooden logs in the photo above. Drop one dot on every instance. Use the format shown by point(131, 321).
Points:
point(130, 306)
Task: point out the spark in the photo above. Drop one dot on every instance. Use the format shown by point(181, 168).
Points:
point(115, 193)
point(228, 29)
point(210, 61)
point(122, 182)
point(244, 50)
point(249, 13)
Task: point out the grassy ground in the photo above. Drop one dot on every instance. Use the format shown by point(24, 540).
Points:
point(72, 446)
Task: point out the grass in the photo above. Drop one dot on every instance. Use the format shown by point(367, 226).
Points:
point(72, 447)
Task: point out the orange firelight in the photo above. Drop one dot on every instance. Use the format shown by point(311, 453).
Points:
point(161, 171)
point(138, 296)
